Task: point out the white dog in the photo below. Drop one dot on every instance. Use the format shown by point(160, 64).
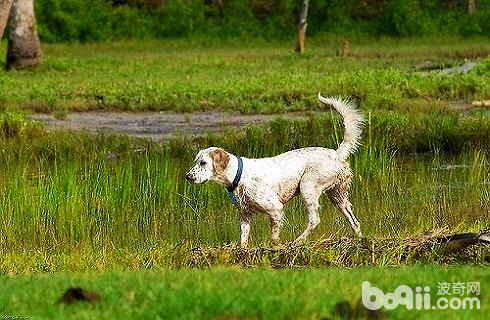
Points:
point(267, 184)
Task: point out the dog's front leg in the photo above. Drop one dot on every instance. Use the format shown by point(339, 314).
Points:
point(245, 220)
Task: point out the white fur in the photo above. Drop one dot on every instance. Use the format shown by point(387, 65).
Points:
point(267, 184)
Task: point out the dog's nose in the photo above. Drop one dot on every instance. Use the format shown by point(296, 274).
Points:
point(188, 177)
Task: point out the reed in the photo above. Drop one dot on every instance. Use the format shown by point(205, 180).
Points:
point(112, 201)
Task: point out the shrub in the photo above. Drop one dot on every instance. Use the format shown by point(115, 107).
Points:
point(100, 20)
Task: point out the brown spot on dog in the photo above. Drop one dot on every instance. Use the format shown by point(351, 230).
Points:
point(220, 160)
point(78, 294)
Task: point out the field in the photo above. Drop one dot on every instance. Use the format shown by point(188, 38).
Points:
point(233, 293)
point(248, 77)
point(87, 209)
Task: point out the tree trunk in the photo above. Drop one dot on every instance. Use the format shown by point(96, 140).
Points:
point(300, 44)
point(471, 6)
point(24, 47)
point(5, 6)
point(345, 51)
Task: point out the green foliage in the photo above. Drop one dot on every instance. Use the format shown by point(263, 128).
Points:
point(13, 125)
point(93, 20)
point(102, 20)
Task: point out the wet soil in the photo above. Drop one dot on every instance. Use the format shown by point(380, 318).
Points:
point(156, 125)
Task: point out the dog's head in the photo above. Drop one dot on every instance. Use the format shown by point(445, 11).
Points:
point(209, 164)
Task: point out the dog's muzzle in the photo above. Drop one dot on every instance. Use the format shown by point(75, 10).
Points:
point(189, 177)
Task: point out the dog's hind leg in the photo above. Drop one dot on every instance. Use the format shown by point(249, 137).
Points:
point(310, 194)
point(339, 195)
point(276, 224)
point(346, 209)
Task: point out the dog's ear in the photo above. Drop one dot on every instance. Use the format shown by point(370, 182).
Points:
point(220, 160)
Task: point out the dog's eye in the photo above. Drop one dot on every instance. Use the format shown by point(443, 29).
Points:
point(202, 163)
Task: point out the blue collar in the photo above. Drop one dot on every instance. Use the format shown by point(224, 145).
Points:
point(235, 182)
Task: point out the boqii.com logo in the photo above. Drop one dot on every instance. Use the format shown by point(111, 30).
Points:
point(457, 295)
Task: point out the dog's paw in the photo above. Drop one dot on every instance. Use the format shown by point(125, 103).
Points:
point(277, 244)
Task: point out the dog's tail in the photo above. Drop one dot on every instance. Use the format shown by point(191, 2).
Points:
point(353, 122)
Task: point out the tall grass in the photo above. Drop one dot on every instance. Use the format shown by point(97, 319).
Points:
point(105, 196)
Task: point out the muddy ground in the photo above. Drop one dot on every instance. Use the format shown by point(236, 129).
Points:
point(156, 125)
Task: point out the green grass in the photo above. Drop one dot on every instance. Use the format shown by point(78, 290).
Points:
point(230, 293)
point(248, 77)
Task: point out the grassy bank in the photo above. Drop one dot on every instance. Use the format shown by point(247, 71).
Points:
point(326, 293)
point(381, 74)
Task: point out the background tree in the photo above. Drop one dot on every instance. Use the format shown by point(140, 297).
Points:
point(5, 6)
point(300, 44)
point(24, 47)
point(471, 6)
